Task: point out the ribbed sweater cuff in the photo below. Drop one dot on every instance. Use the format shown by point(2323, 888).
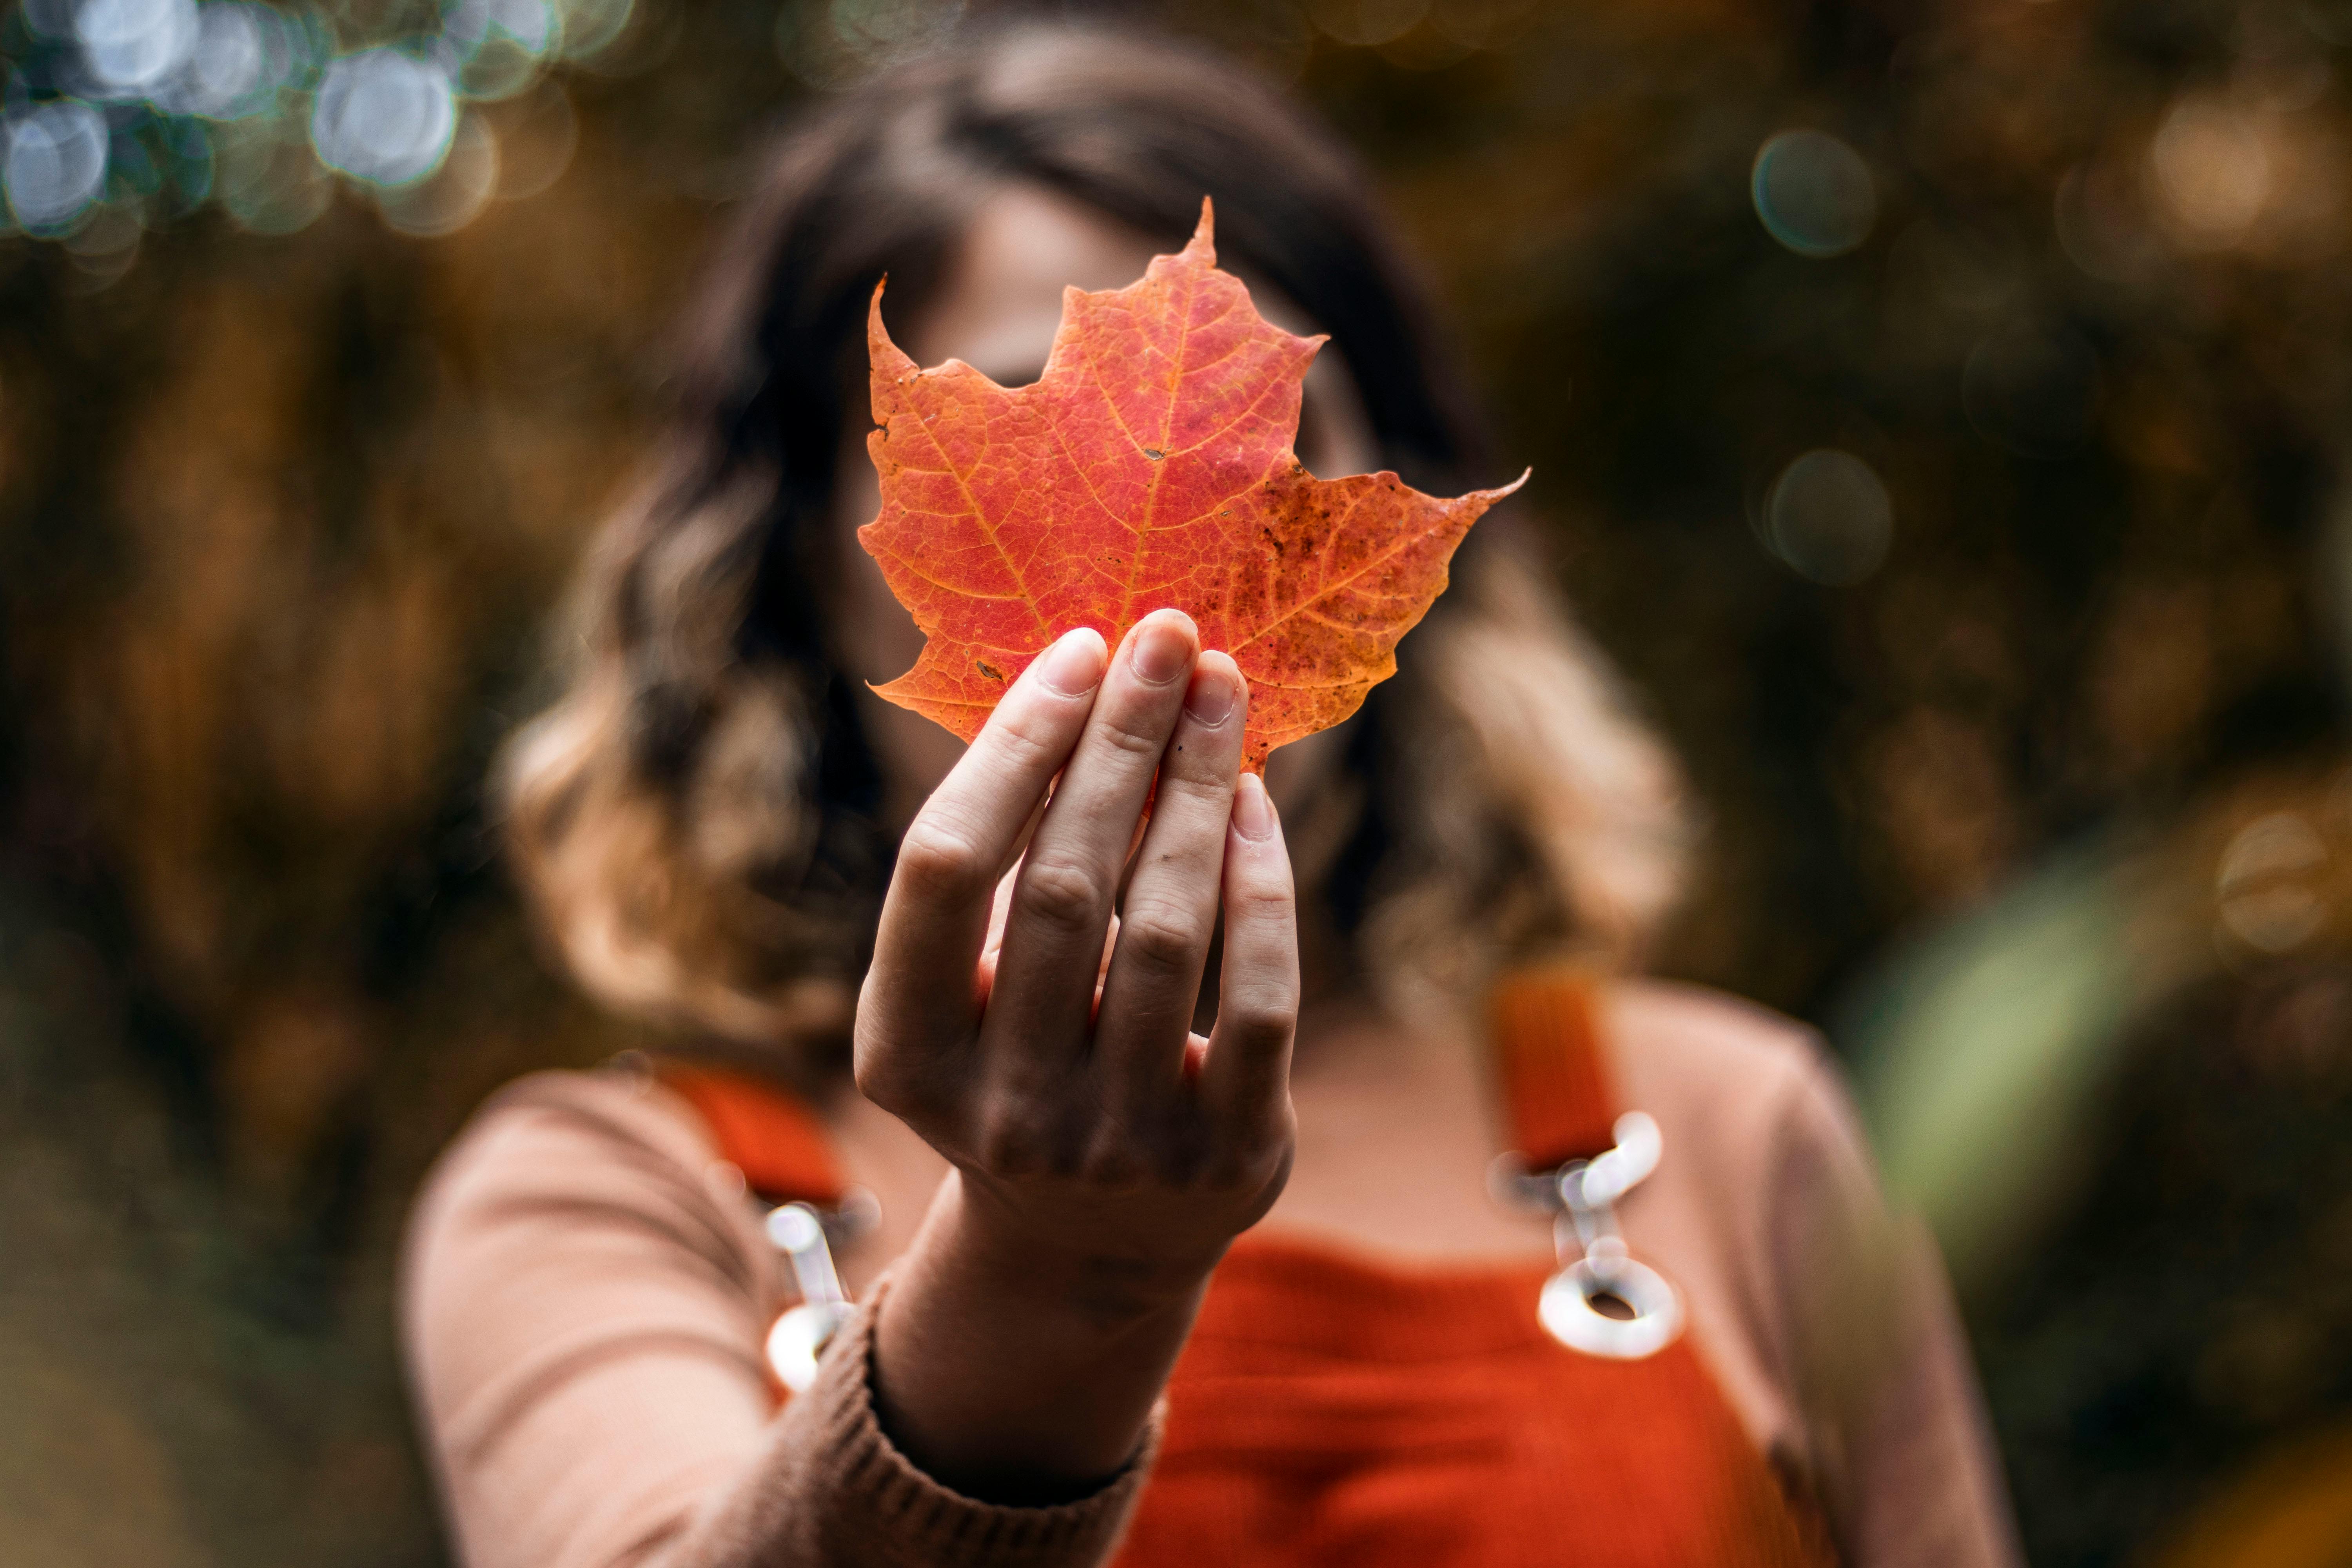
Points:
point(879, 1509)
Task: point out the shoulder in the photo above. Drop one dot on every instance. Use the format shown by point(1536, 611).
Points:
point(1823, 1315)
point(564, 1129)
point(579, 1221)
point(1693, 1021)
point(562, 1173)
point(1770, 1161)
point(582, 1295)
point(1737, 1076)
point(1765, 1149)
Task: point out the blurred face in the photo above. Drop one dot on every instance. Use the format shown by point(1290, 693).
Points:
point(998, 314)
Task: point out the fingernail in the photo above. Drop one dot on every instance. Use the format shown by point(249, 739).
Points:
point(1073, 666)
point(1164, 647)
point(1209, 697)
point(1253, 812)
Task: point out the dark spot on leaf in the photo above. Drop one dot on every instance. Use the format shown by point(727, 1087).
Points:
point(1154, 453)
point(989, 669)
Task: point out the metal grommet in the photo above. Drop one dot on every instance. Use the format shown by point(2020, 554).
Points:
point(794, 1228)
point(800, 1337)
point(1584, 1194)
point(1570, 1316)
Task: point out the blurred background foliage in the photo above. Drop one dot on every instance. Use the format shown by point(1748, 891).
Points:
point(1938, 408)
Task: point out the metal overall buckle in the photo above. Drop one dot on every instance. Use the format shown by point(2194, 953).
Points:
point(1594, 1263)
point(803, 1234)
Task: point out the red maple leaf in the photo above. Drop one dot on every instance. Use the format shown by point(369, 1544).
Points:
point(1150, 466)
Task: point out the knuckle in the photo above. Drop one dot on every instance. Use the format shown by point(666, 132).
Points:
point(936, 861)
point(1268, 1024)
point(1258, 1020)
point(1264, 893)
point(1110, 1161)
point(878, 1080)
point(1200, 778)
point(1063, 893)
point(1186, 1158)
point(1259, 1158)
point(884, 1080)
point(1229, 1173)
point(1224, 1174)
point(887, 1073)
point(1009, 1144)
point(872, 1083)
point(1134, 732)
point(871, 1066)
point(1031, 738)
point(1162, 937)
point(1260, 927)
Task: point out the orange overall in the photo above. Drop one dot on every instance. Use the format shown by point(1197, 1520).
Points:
point(1330, 1410)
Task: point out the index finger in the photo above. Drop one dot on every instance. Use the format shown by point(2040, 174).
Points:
point(936, 914)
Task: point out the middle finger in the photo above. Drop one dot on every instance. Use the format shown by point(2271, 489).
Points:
point(1170, 906)
point(1062, 898)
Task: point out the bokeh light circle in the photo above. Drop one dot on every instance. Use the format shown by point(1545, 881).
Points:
point(1367, 22)
point(228, 61)
point(1829, 518)
point(590, 26)
point(880, 29)
point(1480, 24)
point(132, 45)
point(2213, 168)
point(385, 117)
point(267, 177)
point(241, 57)
point(54, 165)
point(1813, 193)
point(457, 194)
point(2265, 887)
point(104, 248)
point(502, 44)
point(530, 24)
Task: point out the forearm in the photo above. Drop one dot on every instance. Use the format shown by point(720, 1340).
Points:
point(1013, 1369)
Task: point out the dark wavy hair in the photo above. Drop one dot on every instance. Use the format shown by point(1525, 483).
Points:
point(698, 817)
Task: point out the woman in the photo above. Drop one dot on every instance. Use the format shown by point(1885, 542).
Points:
point(1062, 1352)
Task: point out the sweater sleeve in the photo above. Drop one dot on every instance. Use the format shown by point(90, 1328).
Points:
point(584, 1298)
point(1880, 1375)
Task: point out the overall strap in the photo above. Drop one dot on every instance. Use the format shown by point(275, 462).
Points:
point(788, 1160)
point(771, 1135)
point(1554, 1080)
point(1575, 1156)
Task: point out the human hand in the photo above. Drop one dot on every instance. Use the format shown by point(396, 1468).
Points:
point(1104, 1152)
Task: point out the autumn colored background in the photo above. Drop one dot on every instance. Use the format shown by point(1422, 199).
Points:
point(1958, 478)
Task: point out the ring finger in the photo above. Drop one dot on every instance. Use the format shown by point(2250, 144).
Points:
point(1062, 899)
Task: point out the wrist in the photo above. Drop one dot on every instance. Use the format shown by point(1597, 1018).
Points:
point(1106, 1281)
point(1018, 1372)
